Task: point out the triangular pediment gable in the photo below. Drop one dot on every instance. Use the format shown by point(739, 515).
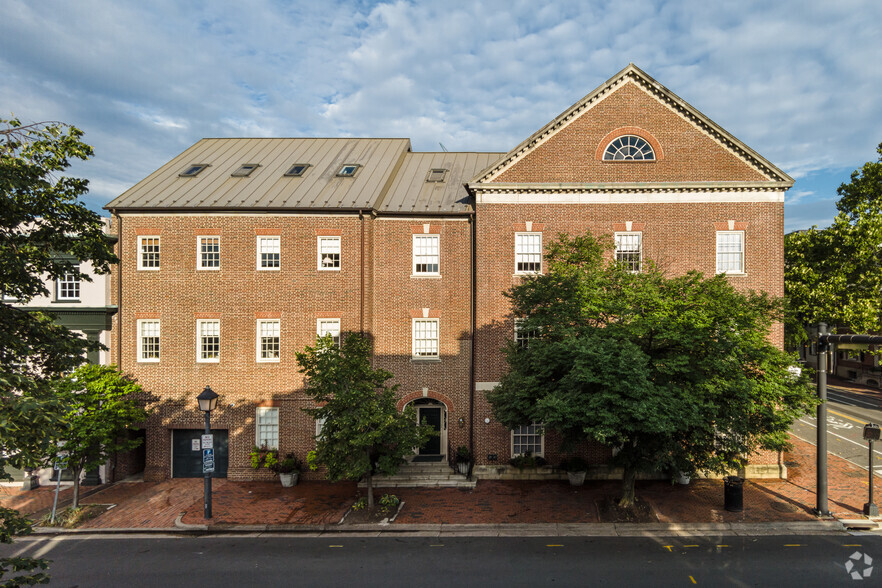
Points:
point(691, 150)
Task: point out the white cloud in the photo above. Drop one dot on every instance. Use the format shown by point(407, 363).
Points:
point(796, 80)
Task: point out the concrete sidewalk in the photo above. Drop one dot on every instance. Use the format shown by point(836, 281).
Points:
point(493, 508)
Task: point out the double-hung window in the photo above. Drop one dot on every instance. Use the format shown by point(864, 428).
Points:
point(268, 253)
point(522, 335)
point(426, 255)
point(629, 250)
point(528, 438)
point(208, 345)
point(425, 338)
point(208, 254)
point(528, 253)
point(329, 253)
point(148, 340)
point(68, 287)
point(267, 427)
point(268, 340)
point(730, 252)
point(330, 327)
point(148, 253)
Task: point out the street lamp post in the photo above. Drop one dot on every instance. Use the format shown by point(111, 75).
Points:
point(871, 434)
point(207, 402)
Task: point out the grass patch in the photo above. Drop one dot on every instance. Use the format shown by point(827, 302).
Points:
point(71, 518)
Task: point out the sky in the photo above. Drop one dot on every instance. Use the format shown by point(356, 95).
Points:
point(799, 81)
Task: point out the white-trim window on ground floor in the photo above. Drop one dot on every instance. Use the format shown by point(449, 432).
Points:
point(528, 438)
point(267, 427)
point(329, 326)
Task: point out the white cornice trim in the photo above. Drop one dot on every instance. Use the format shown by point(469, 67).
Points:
point(649, 197)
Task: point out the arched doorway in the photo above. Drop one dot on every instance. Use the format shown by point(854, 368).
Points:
point(434, 414)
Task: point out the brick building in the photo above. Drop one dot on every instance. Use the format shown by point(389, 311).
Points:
point(236, 253)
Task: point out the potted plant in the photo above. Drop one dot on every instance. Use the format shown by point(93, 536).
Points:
point(288, 469)
point(576, 469)
point(263, 457)
point(463, 460)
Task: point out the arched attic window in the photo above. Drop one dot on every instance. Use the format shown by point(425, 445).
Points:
point(629, 148)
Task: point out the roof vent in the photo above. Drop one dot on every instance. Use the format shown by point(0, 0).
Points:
point(436, 175)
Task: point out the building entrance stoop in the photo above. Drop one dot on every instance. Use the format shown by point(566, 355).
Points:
point(423, 474)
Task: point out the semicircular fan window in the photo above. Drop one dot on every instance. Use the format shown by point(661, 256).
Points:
point(629, 148)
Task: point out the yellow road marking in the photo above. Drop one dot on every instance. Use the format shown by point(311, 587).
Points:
point(668, 547)
point(554, 545)
point(845, 416)
point(723, 545)
point(693, 580)
point(690, 546)
point(794, 545)
point(335, 546)
point(851, 545)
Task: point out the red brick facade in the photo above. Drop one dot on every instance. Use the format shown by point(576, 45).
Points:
point(702, 182)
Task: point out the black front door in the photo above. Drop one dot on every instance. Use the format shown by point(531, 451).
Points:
point(187, 454)
point(431, 416)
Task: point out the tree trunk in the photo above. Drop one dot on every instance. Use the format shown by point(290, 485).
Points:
point(76, 492)
point(370, 484)
point(629, 478)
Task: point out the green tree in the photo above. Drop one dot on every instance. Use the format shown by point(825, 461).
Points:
point(834, 275)
point(363, 433)
point(100, 406)
point(677, 372)
point(44, 229)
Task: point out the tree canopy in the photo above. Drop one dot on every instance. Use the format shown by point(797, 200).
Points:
point(362, 432)
point(45, 230)
point(834, 275)
point(677, 372)
point(100, 405)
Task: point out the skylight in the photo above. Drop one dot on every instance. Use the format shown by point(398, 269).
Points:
point(245, 170)
point(348, 170)
point(436, 175)
point(297, 170)
point(193, 170)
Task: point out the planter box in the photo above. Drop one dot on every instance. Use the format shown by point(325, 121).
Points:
point(576, 478)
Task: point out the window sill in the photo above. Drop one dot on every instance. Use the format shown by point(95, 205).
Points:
point(269, 269)
point(207, 269)
point(207, 361)
point(526, 274)
point(425, 360)
point(148, 269)
point(734, 274)
point(66, 301)
point(148, 361)
point(329, 269)
point(267, 361)
point(426, 276)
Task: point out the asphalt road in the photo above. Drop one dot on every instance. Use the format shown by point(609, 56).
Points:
point(847, 413)
point(458, 561)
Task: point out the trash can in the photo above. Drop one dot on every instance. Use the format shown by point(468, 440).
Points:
point(733, 489)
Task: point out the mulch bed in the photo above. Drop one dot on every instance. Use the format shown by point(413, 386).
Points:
point(609, 511)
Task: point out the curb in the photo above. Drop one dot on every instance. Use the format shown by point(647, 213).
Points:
point(479, 530)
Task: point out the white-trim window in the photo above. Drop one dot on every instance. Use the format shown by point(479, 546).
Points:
point(329, 326)
point(528, 253)
point(319, 425)
point(268, 253)
point(68, 287)
point(528, 438)
point(426, 255)
point(208, 253)
point(268, 338)
point(208, 340)
point(329, 253)
point(730, 252)
point(425, 338)
point(629, 250)
point(148, 340)
point(148, 252)
point(523, 336)
point(267, 427)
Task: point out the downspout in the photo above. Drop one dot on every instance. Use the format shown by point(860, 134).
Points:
point(119, 267)
point(474, 320)
point(361, 301)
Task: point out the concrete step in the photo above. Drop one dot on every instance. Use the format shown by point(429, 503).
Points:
point(386, 483)
point(423, 474)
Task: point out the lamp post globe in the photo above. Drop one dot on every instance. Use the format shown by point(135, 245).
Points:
point(207, 400)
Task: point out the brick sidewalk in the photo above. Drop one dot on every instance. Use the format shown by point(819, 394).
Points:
point(154, 505)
